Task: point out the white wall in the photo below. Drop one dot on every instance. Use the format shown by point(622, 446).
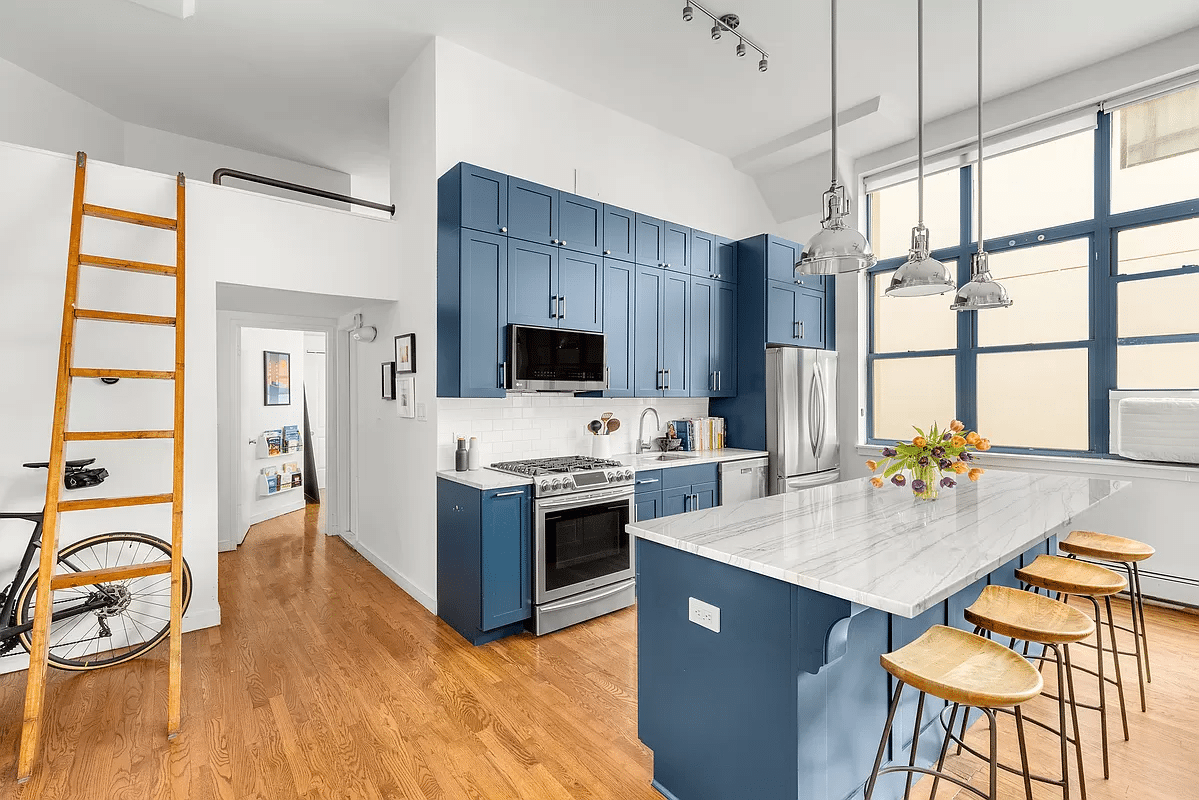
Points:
point(316, 365)
point(37, 113)
point(233, 236)
point(257, 417)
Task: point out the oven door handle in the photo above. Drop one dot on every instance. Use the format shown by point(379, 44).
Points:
point(620, 587)
point(584, 500)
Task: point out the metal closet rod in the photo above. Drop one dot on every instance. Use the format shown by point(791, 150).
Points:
point(716, 21)
point(224, 172)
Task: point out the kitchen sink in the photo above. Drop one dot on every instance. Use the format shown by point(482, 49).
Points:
point(674, 457)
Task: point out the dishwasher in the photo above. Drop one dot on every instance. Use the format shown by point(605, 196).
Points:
point(746, 479)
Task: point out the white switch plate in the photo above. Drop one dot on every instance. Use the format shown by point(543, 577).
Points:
point(703, 614)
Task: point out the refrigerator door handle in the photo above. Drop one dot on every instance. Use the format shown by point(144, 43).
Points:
point(812, 414)
point(818, 378)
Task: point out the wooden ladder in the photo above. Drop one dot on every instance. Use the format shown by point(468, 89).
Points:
point(36, 686)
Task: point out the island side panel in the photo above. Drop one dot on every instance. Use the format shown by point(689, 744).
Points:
point(717, 709)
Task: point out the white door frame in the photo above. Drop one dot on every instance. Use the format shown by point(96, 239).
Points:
point(339, 402)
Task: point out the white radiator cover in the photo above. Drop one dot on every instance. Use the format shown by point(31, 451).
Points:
point(1155, 426)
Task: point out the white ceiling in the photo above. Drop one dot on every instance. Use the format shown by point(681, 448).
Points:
point(309, 80)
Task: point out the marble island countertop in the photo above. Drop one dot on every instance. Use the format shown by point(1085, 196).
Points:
point(881, 547)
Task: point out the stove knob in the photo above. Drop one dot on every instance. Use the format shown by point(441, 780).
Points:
point(568, 483)
point(557, 484)
point(628, 475)
point(545, 486)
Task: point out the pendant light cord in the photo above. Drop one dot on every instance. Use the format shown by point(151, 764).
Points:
point(980, 126)
point(920, 111)
point(834, 92)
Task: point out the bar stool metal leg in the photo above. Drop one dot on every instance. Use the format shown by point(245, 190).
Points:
point(953, 715)
point(1133, 604)
point(907, 787)
point(882, 745)
point(1111, 626)
point(1082, 778)
point(1136, 572)
point(1102, 686)
point(1023, 753)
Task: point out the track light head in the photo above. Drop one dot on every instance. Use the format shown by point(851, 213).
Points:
point(762, 65)
point(740, 49)
point(688, 13)
point(715, 32)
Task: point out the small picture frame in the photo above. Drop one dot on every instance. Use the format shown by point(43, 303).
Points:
point(389, 380)
point(405, 354)
point(276, 378)
point(405, 394)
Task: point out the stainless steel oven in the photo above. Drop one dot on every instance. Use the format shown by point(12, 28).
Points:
point(583, 557)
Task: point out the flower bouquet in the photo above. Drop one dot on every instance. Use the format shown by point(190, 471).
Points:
point(928, 458)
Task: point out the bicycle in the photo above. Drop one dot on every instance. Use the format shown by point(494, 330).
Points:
point(141, 605)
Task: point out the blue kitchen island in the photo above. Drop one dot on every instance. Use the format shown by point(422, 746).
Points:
point(760, 624)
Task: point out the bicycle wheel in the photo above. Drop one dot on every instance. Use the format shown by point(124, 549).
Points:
point(134, 617)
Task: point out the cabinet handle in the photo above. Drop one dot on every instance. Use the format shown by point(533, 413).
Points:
point(607, 252)
point(562, 313)
point(554, 306)
point(504, 229)
point(503, 374)
point(795, 329)
point(658, 380)
point(719, 380)
point(801, 329)
point(457, 508)
point(647, 480)
point(667, 386)
point(509, 494)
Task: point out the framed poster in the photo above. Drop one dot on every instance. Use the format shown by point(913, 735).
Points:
point(405, 347)
point(389, 380)
point(276, 378)
point(406, 396)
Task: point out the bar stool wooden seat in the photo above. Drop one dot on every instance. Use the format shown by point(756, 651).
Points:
point(1128, 553)
point(966, 670)
point(1066, 577)
point(1024, 616)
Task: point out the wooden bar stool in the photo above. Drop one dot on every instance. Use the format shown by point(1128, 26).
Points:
point(1027, 617)
point(1128, 553)
point(965, 670)
point(1067, 576)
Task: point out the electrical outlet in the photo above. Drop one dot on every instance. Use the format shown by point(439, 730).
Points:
point(703, 614)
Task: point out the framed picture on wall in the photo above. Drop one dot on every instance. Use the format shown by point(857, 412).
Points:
point(406, 396)
point(389, 380)
point(276, 378)
point(405, 354)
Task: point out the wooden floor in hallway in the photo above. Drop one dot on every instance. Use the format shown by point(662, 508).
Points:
point(325, 680)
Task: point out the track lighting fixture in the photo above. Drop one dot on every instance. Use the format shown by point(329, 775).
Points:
point(363, 333)
point(727, 23)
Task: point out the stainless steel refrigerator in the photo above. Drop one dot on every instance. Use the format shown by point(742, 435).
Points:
point(801, 418)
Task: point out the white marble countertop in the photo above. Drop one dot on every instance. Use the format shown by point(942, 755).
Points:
point(645, 461)
point(485, 478)
point(882, 548)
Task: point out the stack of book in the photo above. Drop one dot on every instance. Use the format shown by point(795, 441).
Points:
point(701, 433)
point(291, 438)
point(274, 442)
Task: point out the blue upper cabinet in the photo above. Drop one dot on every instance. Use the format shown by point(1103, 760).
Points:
point(781, 256)
point(647, 332)
point(713, 339)
point(532, 212)
point(725, 264)
point(676, 247)
point(620, 233)
point(473, 197)
point(703, 254)
point(580, 224)
point(532, 284)
point(795, 315)
point(620, 280)
point(724, 339)
point(472, 303)
point(650, 241)
point(580, 291)
point(676, 316)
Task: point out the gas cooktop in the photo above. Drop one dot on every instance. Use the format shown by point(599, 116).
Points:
point(567, 474)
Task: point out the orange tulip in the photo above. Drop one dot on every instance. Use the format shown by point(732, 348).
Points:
point(872, 465)
point(958, 441)
point(975, 474)
point(956, 425)
point(985, 444)
point(960, 468)
point(920, 441)
point(973, 438)
point(877, 482)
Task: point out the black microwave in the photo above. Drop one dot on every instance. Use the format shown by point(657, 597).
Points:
point(555, 360)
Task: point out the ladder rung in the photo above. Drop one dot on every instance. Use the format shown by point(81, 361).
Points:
point(121, 215)
point(103, 436)
point(120, 316)
point(67, 580)
point(114, 502)
point(125, 264)
point(149, 374)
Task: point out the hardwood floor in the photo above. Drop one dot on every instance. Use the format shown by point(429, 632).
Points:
point(326, 681)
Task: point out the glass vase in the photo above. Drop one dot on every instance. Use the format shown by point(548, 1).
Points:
point(931, 477)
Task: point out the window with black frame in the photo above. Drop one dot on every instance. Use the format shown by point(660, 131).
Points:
point(1101, 258)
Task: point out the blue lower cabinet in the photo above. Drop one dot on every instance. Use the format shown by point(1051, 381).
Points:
point(689, 488)
point(620, 283)
point(647, 505)
point(676, 500)
point(484, 560)
point(472, 313)
point(706, 495)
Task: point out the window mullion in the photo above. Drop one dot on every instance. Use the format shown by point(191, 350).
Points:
point(1102, 365)
point(967, 360)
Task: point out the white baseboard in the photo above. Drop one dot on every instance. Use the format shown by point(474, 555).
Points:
point(396, 577)
point(195, 619)
point(295, 505)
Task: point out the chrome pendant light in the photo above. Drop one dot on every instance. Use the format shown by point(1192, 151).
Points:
point(921, 274)
point(837, 247)
point(981, 291)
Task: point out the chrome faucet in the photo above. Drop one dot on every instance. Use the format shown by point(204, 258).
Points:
point(642, 443)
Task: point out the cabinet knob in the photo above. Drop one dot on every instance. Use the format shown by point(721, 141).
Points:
point(562, 243)
point(553, 241)
point(607, 252)
point(504, 229)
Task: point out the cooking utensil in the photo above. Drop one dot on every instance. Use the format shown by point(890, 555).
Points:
point(607, 415)
point(595, 426)
point(613, 425)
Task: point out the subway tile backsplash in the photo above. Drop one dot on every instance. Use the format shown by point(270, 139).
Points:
point(536, 427)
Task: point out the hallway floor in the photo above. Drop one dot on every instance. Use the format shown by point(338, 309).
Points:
point(326, 681)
